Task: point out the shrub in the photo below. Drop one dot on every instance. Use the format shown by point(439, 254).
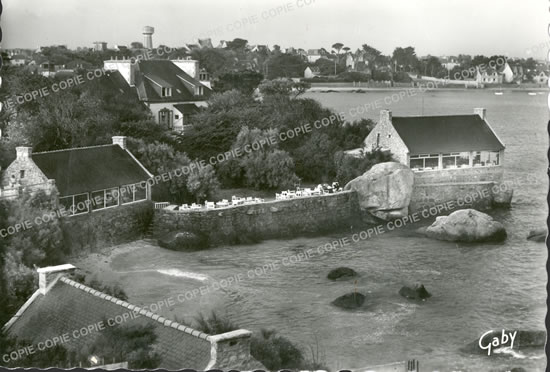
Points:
point(273, 351)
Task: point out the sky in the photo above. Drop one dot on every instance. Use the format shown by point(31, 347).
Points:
point(436, 27)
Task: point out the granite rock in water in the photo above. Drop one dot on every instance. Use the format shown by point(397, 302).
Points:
point(341, 273)
point(385, 190)
point(467, 225)
point(181, 241)
point(350, 301)
point(417, 292)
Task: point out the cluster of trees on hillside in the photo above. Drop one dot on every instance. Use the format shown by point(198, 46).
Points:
point(235, 119)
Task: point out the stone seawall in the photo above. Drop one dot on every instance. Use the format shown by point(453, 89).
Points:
point(269, 220)
point(478, 195)
point(107, 227)
point(460, 175)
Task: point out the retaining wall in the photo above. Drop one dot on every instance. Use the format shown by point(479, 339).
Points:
point(268, 220)
point(107, 227)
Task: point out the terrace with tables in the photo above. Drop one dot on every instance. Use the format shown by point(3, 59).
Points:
point(321, 189)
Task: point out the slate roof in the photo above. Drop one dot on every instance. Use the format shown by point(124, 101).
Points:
point(86, 169)
point(70, 306)
point(187, 108)
point(153, 74)
point(444, 134)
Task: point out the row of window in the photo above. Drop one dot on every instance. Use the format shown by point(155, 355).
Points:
point(108, 198)
point(455, 160)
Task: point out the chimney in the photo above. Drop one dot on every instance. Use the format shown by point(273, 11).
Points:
point(120, 140)
point(23, 152)
point(231, 347)
point(48, 276)
point(481, 112)
point(385, 115)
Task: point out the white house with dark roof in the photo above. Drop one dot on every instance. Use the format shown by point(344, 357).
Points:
point(440, 146)
point(162, 85)
point(64, 308)
point(85, 179)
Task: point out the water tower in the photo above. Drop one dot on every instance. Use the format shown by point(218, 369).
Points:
point(148, 32)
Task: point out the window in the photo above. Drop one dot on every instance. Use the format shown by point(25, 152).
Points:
point(98, 200)
point(22, 173)
point(456, 160)
point(424, 162)
point(127, 194)
point(166, 92)
point(111, 197)
point(486, 158)
point(75, 204)
point(377, 139)
point(133, 193)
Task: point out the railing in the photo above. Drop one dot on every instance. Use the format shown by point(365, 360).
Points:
point(161, 205)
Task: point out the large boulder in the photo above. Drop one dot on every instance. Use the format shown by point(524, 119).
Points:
point(182, 241)
point(538, 235)
point(350, 301)
point(467, 225)
point(341, 273)
point(416, 292)
point(385, 190)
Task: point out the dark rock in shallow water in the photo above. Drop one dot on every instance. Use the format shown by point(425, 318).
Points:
point(523, 340)
point(418, 292)
point(341, 273)
point(538, 235)
point(350, 301)
point(182, 241)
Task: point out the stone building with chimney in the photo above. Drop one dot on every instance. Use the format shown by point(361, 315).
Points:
point(83, 179)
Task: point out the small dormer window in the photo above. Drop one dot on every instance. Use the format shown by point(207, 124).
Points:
point(166, 92)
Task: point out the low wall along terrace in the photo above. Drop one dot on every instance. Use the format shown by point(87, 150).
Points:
point(268, 220)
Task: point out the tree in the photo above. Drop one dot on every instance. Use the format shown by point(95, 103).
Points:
point(136, 45)
point(237, 44)
point(162, 158)
point(283, 87)
point(216, 128)
point(134, 343)
point(243, 81)
point(285, 65)
point(265, 167)
point(203, 183)
point(405, 59)
point(350, 167)
point(337, 47)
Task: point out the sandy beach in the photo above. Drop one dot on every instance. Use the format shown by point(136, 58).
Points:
point(98, 264)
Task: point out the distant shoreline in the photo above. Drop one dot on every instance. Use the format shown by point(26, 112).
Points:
point(330, 89)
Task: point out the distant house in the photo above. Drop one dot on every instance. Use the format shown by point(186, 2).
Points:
point(313, 55)
point(311, 72)
point(18, 60)
point(100, 46)
point(162, 85)
point(222, 44)
point(489, 75)
point(260, 49)
point(85, 179)
point(63, 308)
point(205, 43)
point(439, 143)
point(350, 61)
point(79, 64)
point(541, 78)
